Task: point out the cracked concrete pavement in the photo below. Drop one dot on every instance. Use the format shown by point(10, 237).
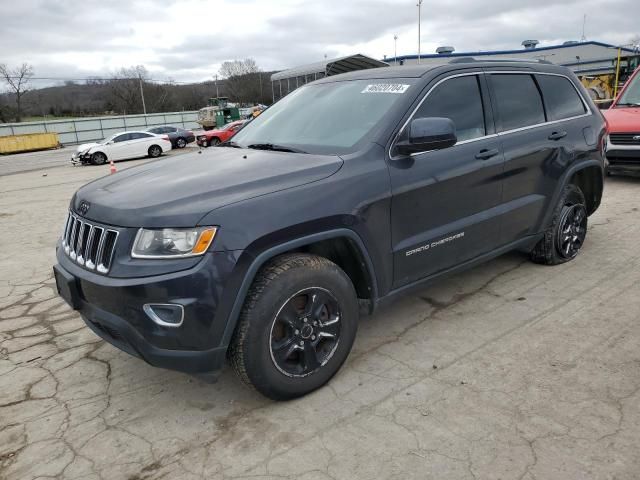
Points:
point(508, 371)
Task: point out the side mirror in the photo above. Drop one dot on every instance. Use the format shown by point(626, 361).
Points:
point(424, 134)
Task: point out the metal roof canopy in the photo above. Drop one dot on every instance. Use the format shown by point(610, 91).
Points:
point(331, 67)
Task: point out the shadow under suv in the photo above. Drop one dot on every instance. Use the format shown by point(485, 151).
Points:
point(349, 191)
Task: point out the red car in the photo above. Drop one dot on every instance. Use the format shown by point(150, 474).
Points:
point(219, 135)
point(623, 119)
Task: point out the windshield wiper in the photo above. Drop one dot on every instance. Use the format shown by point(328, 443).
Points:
point(274, 147)
point(229, 143)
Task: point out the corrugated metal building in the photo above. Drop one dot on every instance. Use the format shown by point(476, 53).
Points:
point(288, 80)
point(584, 58)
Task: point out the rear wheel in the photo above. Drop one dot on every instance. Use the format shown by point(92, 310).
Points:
point(98, 158)
point(564, 239)
point(214, 141)
point(296, 328)
point(155, 151)
point(181, 142)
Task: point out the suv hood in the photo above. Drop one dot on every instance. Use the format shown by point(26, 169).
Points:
point(180, 190)
point(623, 119)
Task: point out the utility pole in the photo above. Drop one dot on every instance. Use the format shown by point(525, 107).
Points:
point(395, 49)
point(144, 107)
point(584, 23)
point(217, 96)
point(419, 22)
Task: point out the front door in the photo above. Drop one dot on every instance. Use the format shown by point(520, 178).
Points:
point(445, 202)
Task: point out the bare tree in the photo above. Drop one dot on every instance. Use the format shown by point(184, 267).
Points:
point(124, 89)
point(243, 79)
point(635, 41)
point(17, 80)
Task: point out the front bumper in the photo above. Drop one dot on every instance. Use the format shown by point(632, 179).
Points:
point(113, 309)
point(622, 158)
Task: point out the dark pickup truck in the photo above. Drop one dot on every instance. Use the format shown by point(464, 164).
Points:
point(347, 192)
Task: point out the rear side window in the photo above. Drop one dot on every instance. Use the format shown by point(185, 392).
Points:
point(122, 138)
point(560, 97)
point(460, 100)
point(518, 99)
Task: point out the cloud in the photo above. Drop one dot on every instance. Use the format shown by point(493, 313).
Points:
point(187, 40)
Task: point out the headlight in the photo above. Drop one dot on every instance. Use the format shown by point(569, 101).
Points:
point(172, 242)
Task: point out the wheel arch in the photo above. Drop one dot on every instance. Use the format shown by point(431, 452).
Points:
point(342, 246)
point(591, 178)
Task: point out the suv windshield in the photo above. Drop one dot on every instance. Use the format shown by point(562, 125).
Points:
point(325, 118)
point(631, 95)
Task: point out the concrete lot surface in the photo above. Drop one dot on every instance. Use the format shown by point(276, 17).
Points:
point(509, 371)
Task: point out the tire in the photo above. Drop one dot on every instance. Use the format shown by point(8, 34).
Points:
point(98, 158)
point(181, 143)
point(154, 151)
point(297, 299)
point(214, 141)
point(564, 238)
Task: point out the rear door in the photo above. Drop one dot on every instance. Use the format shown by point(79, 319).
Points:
point(444, 200)
point(140, 143)
point(118, 149)
point(539, 141)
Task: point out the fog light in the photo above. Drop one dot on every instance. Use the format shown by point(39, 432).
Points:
point(165, 314)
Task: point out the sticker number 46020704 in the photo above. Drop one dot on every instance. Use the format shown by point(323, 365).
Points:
point(385, 88)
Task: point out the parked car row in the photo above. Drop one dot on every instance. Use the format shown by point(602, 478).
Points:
point(152, 142)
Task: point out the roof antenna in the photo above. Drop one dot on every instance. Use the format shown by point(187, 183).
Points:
point(584, 22)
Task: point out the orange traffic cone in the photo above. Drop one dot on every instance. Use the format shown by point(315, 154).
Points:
point(112, 167)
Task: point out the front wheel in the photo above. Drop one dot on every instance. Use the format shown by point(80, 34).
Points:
point(566, 235)
point(214, 141)
point(154, 151)
point(98, 158)
point(296, 328)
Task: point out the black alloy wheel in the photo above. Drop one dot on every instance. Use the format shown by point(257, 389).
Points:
point(572, 230)
point(305, 332)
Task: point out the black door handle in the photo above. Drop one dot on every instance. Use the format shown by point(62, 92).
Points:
point(485, 154)
point(557, 135)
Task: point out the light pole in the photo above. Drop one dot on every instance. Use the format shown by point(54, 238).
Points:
point(144, 107)
point(395, 49)
point(419, 14)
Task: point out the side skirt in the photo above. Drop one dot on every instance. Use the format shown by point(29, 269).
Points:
point(524, 244)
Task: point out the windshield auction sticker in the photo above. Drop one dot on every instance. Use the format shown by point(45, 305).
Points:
point(385, 88)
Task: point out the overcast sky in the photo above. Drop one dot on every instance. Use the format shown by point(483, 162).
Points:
point(187, 40)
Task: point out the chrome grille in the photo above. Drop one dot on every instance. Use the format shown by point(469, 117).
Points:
point(89, 245)
point(625, 138)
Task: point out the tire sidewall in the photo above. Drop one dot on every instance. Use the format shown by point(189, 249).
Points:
point(262, 372)
point(181, 142)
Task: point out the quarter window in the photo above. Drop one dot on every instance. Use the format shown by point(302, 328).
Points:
point(560, 97)
point(518, 99)
point(459, 99)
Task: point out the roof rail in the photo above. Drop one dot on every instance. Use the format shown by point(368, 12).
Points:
point(514, 60)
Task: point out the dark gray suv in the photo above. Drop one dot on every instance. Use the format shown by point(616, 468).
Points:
point(349, 191)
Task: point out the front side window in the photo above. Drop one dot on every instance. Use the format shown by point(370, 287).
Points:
point(122, 138)
point(560, 97)
point(326, 118)
point(518, 99)
point(459, 99)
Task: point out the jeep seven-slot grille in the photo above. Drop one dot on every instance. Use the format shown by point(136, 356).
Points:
point(89, 245)
point(625, 138)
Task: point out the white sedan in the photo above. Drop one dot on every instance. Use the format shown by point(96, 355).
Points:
point(122, 146)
